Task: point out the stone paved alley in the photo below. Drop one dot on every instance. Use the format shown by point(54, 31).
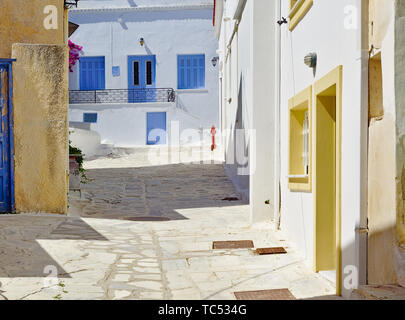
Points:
point(98, 254)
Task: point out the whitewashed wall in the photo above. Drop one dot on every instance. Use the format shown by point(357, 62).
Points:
point(247, 102)
point(236, 95)
point(167, 33)
point(322, 31)
point(124, 125)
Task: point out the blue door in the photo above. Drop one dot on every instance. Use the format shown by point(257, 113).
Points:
point(92, 73)
point(141, 79)
point(5, 132)
point(156, 128)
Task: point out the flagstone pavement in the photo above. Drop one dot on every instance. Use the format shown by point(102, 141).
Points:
point(96, 252)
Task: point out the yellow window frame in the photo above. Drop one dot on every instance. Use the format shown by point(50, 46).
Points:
point(333, 81)
point(298, 105)
point(298, 9)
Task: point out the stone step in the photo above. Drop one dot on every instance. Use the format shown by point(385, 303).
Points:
point(378, 292)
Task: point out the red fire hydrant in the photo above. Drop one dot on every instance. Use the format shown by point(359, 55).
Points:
point(213, 133)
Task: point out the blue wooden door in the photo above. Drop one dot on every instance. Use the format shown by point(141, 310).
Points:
point(92, 73)
point(141, 79)
point(156, 128)
point(5, 154)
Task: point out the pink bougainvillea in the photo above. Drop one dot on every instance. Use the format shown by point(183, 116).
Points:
point(74, 50)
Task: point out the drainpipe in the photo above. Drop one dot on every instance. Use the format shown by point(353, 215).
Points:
point(362, 222)
point(237, 17)
point(277, 163)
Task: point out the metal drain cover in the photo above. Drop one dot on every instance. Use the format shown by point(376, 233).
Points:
point(146, 219)
point(265, 251)
point(277, 294)
point(244, 244)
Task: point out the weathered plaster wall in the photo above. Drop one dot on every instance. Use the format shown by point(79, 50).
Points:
point(40, 127)
point(386, 178)
point(400, 131)
point(381, 153)
point(22, 22)
point(380, 12)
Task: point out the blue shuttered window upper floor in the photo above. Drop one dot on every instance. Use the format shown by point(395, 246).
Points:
point(191, 71)
point(92, 73)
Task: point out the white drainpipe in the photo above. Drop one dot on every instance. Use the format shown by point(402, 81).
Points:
point(277, 163)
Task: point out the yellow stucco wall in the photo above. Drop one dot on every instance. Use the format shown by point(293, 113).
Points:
point(381, 201)
point(22, 22)
point(40, 127)
point(386, 175)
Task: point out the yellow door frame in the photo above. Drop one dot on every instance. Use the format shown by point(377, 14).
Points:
point(329, 81)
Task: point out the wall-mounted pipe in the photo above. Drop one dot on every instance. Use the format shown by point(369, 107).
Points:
point(277, 162)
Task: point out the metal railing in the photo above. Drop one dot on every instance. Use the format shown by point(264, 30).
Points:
point(122, 96)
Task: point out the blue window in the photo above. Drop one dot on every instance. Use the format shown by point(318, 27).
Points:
point(92, 73)
point(90, 117)
point(191, 71)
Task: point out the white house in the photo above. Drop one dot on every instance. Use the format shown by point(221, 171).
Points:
point(316, 85)
point(147, 73)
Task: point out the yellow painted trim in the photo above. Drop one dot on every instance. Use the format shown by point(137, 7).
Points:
point(302, 101)
point(335, 77)
point(299, 12)
point(66, 25)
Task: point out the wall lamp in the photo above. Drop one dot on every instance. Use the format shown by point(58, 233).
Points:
point(71, 3)
point(215, 61)
point(142, 42)
point(311, 60)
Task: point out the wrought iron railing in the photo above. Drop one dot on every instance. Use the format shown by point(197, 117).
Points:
point(122, 96)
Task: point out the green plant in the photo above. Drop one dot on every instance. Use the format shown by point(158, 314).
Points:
point(79, 159)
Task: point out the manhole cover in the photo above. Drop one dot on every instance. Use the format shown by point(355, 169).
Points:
point(146, 219)
point(244, 244)
point(278, 294)
point(265, 251)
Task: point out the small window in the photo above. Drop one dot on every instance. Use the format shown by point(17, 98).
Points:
point(191, 71)
point(298, 9)
point(299, 175)
point(90, 117)
point(136, 73)
point(149, 73)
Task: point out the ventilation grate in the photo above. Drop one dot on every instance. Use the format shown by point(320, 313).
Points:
point(242, 244)
point(267, 251)
point(277, 294)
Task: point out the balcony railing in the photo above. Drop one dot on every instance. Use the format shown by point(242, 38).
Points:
point(122, 96)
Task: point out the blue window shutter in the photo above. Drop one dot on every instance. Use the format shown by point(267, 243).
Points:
point(188, 73)
point(201, 77)
point(191, 71)
point(92, 73)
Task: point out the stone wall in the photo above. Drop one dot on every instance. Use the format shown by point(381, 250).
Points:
point(381, 146)
point(40, 127)
point(22, 21)
point(400, 139)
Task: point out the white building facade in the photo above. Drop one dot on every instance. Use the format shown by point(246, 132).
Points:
point(147, 73)
point(307, 123)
